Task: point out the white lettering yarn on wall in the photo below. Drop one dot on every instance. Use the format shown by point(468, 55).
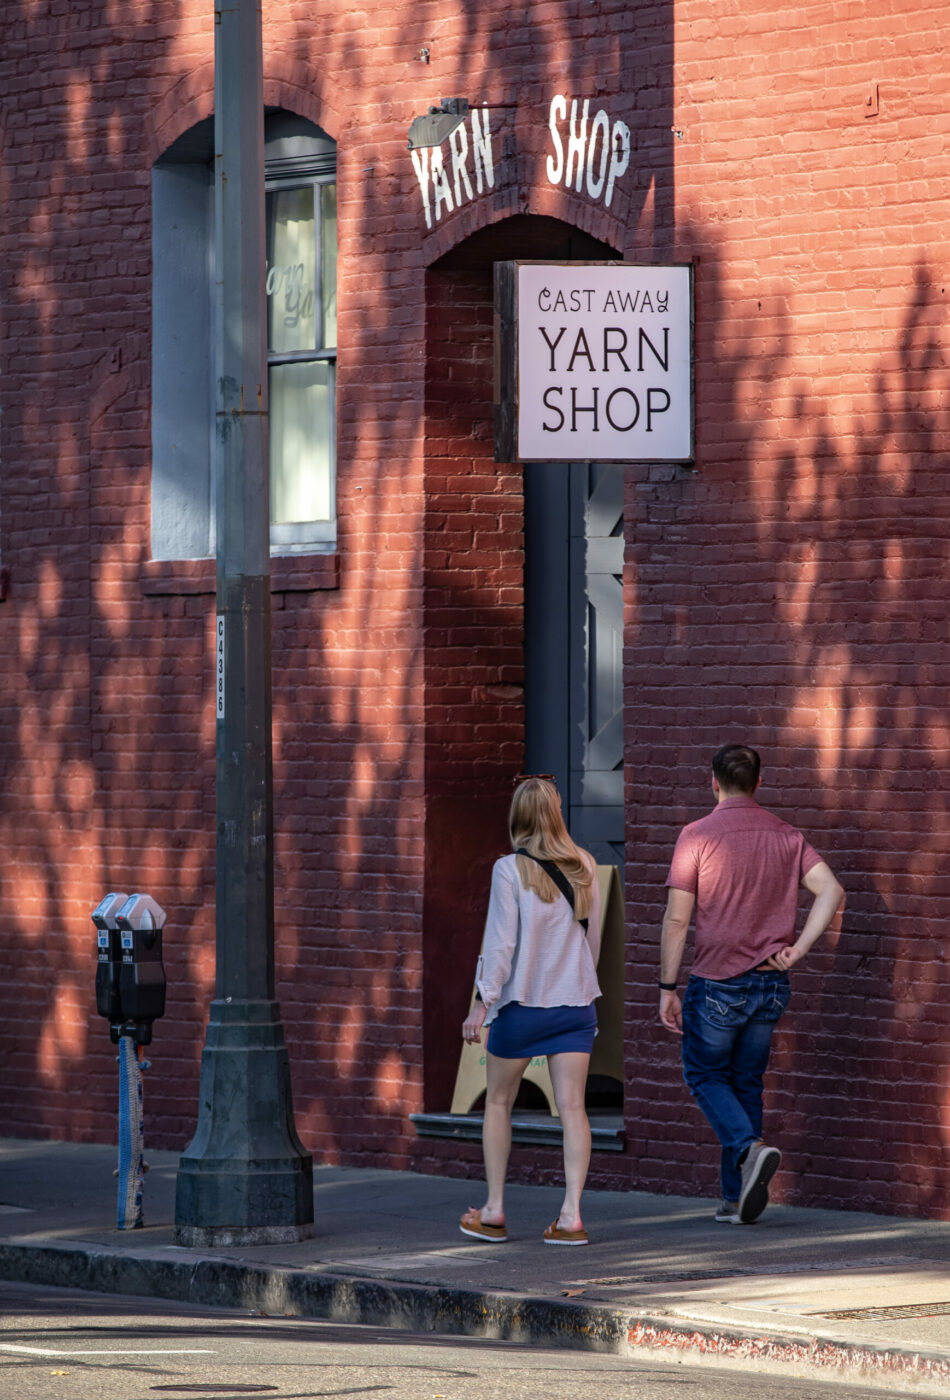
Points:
point(445, 190)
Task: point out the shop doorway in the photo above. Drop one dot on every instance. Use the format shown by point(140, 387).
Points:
point(474, 631)
point(574, 645)
point(573, 601)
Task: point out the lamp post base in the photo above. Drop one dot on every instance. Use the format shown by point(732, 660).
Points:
point(245, 1178)
point(199, 1237)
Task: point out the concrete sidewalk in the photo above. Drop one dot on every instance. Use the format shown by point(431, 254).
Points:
point(851, 1297)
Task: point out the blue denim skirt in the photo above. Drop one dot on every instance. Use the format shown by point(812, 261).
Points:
point(521, 1032)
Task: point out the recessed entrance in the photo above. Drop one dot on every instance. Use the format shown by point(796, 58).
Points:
point(574, 644)
point(561, 559)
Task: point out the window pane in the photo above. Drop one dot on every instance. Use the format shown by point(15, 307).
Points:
point(328, 280)
point(301, 428)
point(291, 265)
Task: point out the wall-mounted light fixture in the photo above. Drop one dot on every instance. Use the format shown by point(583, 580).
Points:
point(438, 123)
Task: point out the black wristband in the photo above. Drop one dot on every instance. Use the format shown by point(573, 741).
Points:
point(667, 986)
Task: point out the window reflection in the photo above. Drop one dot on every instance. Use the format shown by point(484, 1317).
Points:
point(291, 266)
point(301, 339)
point(301, 428)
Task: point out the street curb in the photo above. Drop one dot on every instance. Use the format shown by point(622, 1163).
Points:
point(814, 1356)
point(278, 1292)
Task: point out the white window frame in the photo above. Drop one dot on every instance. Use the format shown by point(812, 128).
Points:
point(290, 173)
point(183, 404)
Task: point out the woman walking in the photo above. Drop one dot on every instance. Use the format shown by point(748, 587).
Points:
point(536, 984)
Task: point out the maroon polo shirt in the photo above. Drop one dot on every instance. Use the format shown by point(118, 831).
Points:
point(744, 866)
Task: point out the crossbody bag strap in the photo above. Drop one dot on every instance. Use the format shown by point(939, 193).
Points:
point(559, 878)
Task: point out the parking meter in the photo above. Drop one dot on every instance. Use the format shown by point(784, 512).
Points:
point(110, 960)
point(141, 974)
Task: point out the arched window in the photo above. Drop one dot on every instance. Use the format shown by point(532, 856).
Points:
point(300, 163)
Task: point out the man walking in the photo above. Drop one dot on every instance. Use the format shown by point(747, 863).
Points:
point(741, 867)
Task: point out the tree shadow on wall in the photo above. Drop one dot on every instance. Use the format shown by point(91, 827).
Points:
point(108, 767)
point(787, 594)
point(459, 741)
point(99, 697)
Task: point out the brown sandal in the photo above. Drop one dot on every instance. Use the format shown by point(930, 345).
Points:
point(471, 1224)
point(555, 1235)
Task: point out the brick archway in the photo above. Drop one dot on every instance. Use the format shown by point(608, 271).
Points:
point(191, 100)
point(473, 619)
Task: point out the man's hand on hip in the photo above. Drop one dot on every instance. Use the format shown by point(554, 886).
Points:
point(829, 897)
point(783, 959)
point(671, 1012)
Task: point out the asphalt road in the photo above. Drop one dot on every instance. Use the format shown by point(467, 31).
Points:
point(58, 1344)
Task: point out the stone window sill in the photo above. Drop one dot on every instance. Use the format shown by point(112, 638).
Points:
point(527, 1129)
point(289, 573)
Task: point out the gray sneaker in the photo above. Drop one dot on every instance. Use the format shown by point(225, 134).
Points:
point(759, 1167)
point(728, 1214)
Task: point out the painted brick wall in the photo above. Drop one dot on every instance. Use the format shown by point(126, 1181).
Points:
point(474, 681)
point(789, 591)
point(105, 697)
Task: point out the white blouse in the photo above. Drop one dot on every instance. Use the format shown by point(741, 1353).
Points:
point(533, 952)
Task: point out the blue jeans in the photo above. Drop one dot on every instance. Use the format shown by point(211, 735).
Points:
point(727, 1034)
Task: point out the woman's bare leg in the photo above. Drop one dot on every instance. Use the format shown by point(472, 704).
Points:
point(504, 1077)
point(569, 1077)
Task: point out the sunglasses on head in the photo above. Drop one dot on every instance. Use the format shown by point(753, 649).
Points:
point(526, 777)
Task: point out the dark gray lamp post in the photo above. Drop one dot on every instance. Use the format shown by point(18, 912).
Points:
point(245, 1178)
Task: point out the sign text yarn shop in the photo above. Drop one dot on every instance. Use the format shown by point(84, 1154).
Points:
point(595, 362)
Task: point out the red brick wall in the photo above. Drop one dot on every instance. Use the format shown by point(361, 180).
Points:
point(474, 683)
point(105, 696)
point(790, 590)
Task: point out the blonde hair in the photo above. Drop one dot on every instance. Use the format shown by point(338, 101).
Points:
point(535, 823)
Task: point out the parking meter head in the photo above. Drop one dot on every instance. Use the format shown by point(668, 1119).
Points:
point(141, 975)
point(104, 914)
point(108, 940)
point(141, 914)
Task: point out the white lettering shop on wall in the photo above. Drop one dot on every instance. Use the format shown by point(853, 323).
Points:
point(602, 361)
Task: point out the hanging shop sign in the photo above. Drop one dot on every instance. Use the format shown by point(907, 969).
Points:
point(593, 362)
